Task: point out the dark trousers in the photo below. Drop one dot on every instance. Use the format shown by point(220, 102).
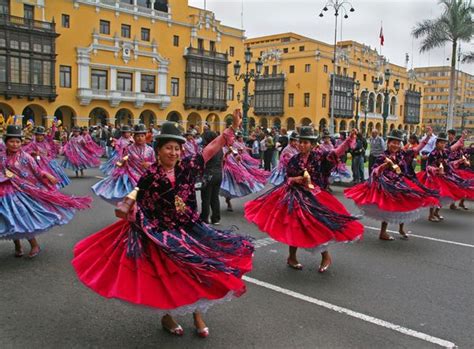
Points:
point(210, 199)
point(267, 159)
point(423, 163)
point(358, 168)
point(372, 160)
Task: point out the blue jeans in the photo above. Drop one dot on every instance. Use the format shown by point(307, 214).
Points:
point(358, 168)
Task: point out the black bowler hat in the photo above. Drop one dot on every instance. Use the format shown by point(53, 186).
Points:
point(39, 130)
point(14, 131)
point(239, 134)
point(326, 134)
point(395, 135)
point(294, 136)
point(307, 133)
point(125, 128)
point(140, 128)
point(76, 129)
point(442, 137)
point(170, 131)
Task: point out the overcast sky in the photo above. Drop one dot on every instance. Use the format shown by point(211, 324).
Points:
point(263, 17)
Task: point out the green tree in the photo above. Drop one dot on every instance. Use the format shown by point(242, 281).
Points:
point(455, 25)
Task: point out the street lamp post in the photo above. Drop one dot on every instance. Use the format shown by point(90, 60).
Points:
point(366, 109)
point(386, 93)
point(247, 76)
point(357, 100)
point(339, 6)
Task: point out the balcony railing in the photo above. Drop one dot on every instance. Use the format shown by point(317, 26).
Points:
point(86, 96)
point(31, 24)
point(128, 8)
point(205, 103)
point(191, 51)
point(29, 91)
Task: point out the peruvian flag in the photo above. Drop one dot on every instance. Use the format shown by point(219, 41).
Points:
point(382, 39)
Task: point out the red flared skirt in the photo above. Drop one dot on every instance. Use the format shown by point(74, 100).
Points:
point(447, 189)
point(370, 194)
point(465, 174)
point(296, 226)
point(153, 279)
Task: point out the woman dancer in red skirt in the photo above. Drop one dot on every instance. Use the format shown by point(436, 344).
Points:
point(440, 175)
point(393, 194)
point(298, 212)
point(163, 255)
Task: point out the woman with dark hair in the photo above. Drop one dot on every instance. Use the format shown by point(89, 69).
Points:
point(76, 155)
point(136, 159)
point(30, 203)
point(279, 172)
point(439, 175)
point(162, 255)
point(43, 150)
point(118, 146)
point(389, 195)
point(299, 213)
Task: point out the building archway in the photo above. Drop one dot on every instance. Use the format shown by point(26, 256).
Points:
point(352, 125)
point(98, 116)
point(417, 130)
point(392, 126)
point(277, 123)
point(406, 128)
point(343, 125)
point(393, 106)
point(305, 121)
point(322, 125)
point(6, 111)
point(372, 102)
point(400, 127)
point(194, 119)
point(378, 127)
point(264, 123)
point(124, 117)
point(370, 127)
point(147, 117)
point(362, 127)
point(252, 123)
point(66, 115)
point(228, 120)
point(174, 116)
point(36, 113)
point(213, 121)
point(379, 104)
point(290, 124)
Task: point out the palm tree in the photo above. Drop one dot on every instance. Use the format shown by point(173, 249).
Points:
point(454, 25)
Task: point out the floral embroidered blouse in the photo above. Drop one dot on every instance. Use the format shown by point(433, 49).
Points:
point(166, 205)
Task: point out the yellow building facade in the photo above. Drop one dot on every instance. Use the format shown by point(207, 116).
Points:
point(436, 96)
point(306, 66)
point(117, 61)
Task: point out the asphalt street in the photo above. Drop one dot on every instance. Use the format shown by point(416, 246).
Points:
point(401, 294)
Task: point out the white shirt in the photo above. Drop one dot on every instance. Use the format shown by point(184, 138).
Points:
point(429, 147)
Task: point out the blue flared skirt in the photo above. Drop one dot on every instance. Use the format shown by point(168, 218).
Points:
point(108, 166)
point(230, 188)
point(69, 165)
point(59, 173)
point(278, 176)
point(113, 189)
point(23, 217)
